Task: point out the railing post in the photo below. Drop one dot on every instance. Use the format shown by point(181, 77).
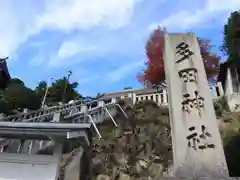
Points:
point(134, 98)
point(100, 103)
point(228, 84)
point(57, 117)
point(220, 88)
point(154, 97)
point(84, 109)
point(165, 96)
point(113, 100)
point(214, 91)
point(159, 100)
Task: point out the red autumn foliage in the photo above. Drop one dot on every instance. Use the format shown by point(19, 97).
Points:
point(154, 74)
point(210, 60)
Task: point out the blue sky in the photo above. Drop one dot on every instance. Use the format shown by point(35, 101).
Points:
point(100, 41)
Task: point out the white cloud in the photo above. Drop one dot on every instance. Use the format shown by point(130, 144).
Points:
point(15, 23)
point(71, 48)
point(222, 5)
point(181, 20)
point(37, 60)
point(123, 71)
point(85, 14)
point(189, 18)
point(83, 46)
point(20, 20)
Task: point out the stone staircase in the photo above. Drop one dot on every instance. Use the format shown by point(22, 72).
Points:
point(26, 137)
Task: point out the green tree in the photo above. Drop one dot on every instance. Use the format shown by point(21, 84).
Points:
point(126, 88)
point(56, 91)
point(3, 103)
point(221, 106)
point(17, 81)
point(17, 97)
point(41, 89)
point(99, 95)
point(231, 42)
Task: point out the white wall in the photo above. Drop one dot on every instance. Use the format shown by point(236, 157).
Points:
point(233, 98)
point(161, 98)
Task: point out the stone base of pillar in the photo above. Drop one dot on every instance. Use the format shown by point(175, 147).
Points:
point(199, 178)
point(201, 174)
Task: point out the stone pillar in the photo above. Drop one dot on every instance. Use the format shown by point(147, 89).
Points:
point(197, 145)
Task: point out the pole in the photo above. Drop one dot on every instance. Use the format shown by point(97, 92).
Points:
point(45, 95)
point(66, 85)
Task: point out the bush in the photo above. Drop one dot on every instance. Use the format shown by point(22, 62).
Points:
point(221, 106)
point(232, 154)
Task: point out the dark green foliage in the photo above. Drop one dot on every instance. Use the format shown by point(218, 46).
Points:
point(126, 88)
point(232, 155)
point(231, 43)
point(56, 91)
point(99, 95)
point(17, 81)
point(40, 89)
point(4, 107)
point(221, 106)
point(17, 97)
point(145, 104)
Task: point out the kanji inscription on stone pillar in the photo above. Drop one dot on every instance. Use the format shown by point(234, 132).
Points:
point(197, 145)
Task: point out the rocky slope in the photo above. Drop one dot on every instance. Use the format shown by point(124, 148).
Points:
point(140, 148)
